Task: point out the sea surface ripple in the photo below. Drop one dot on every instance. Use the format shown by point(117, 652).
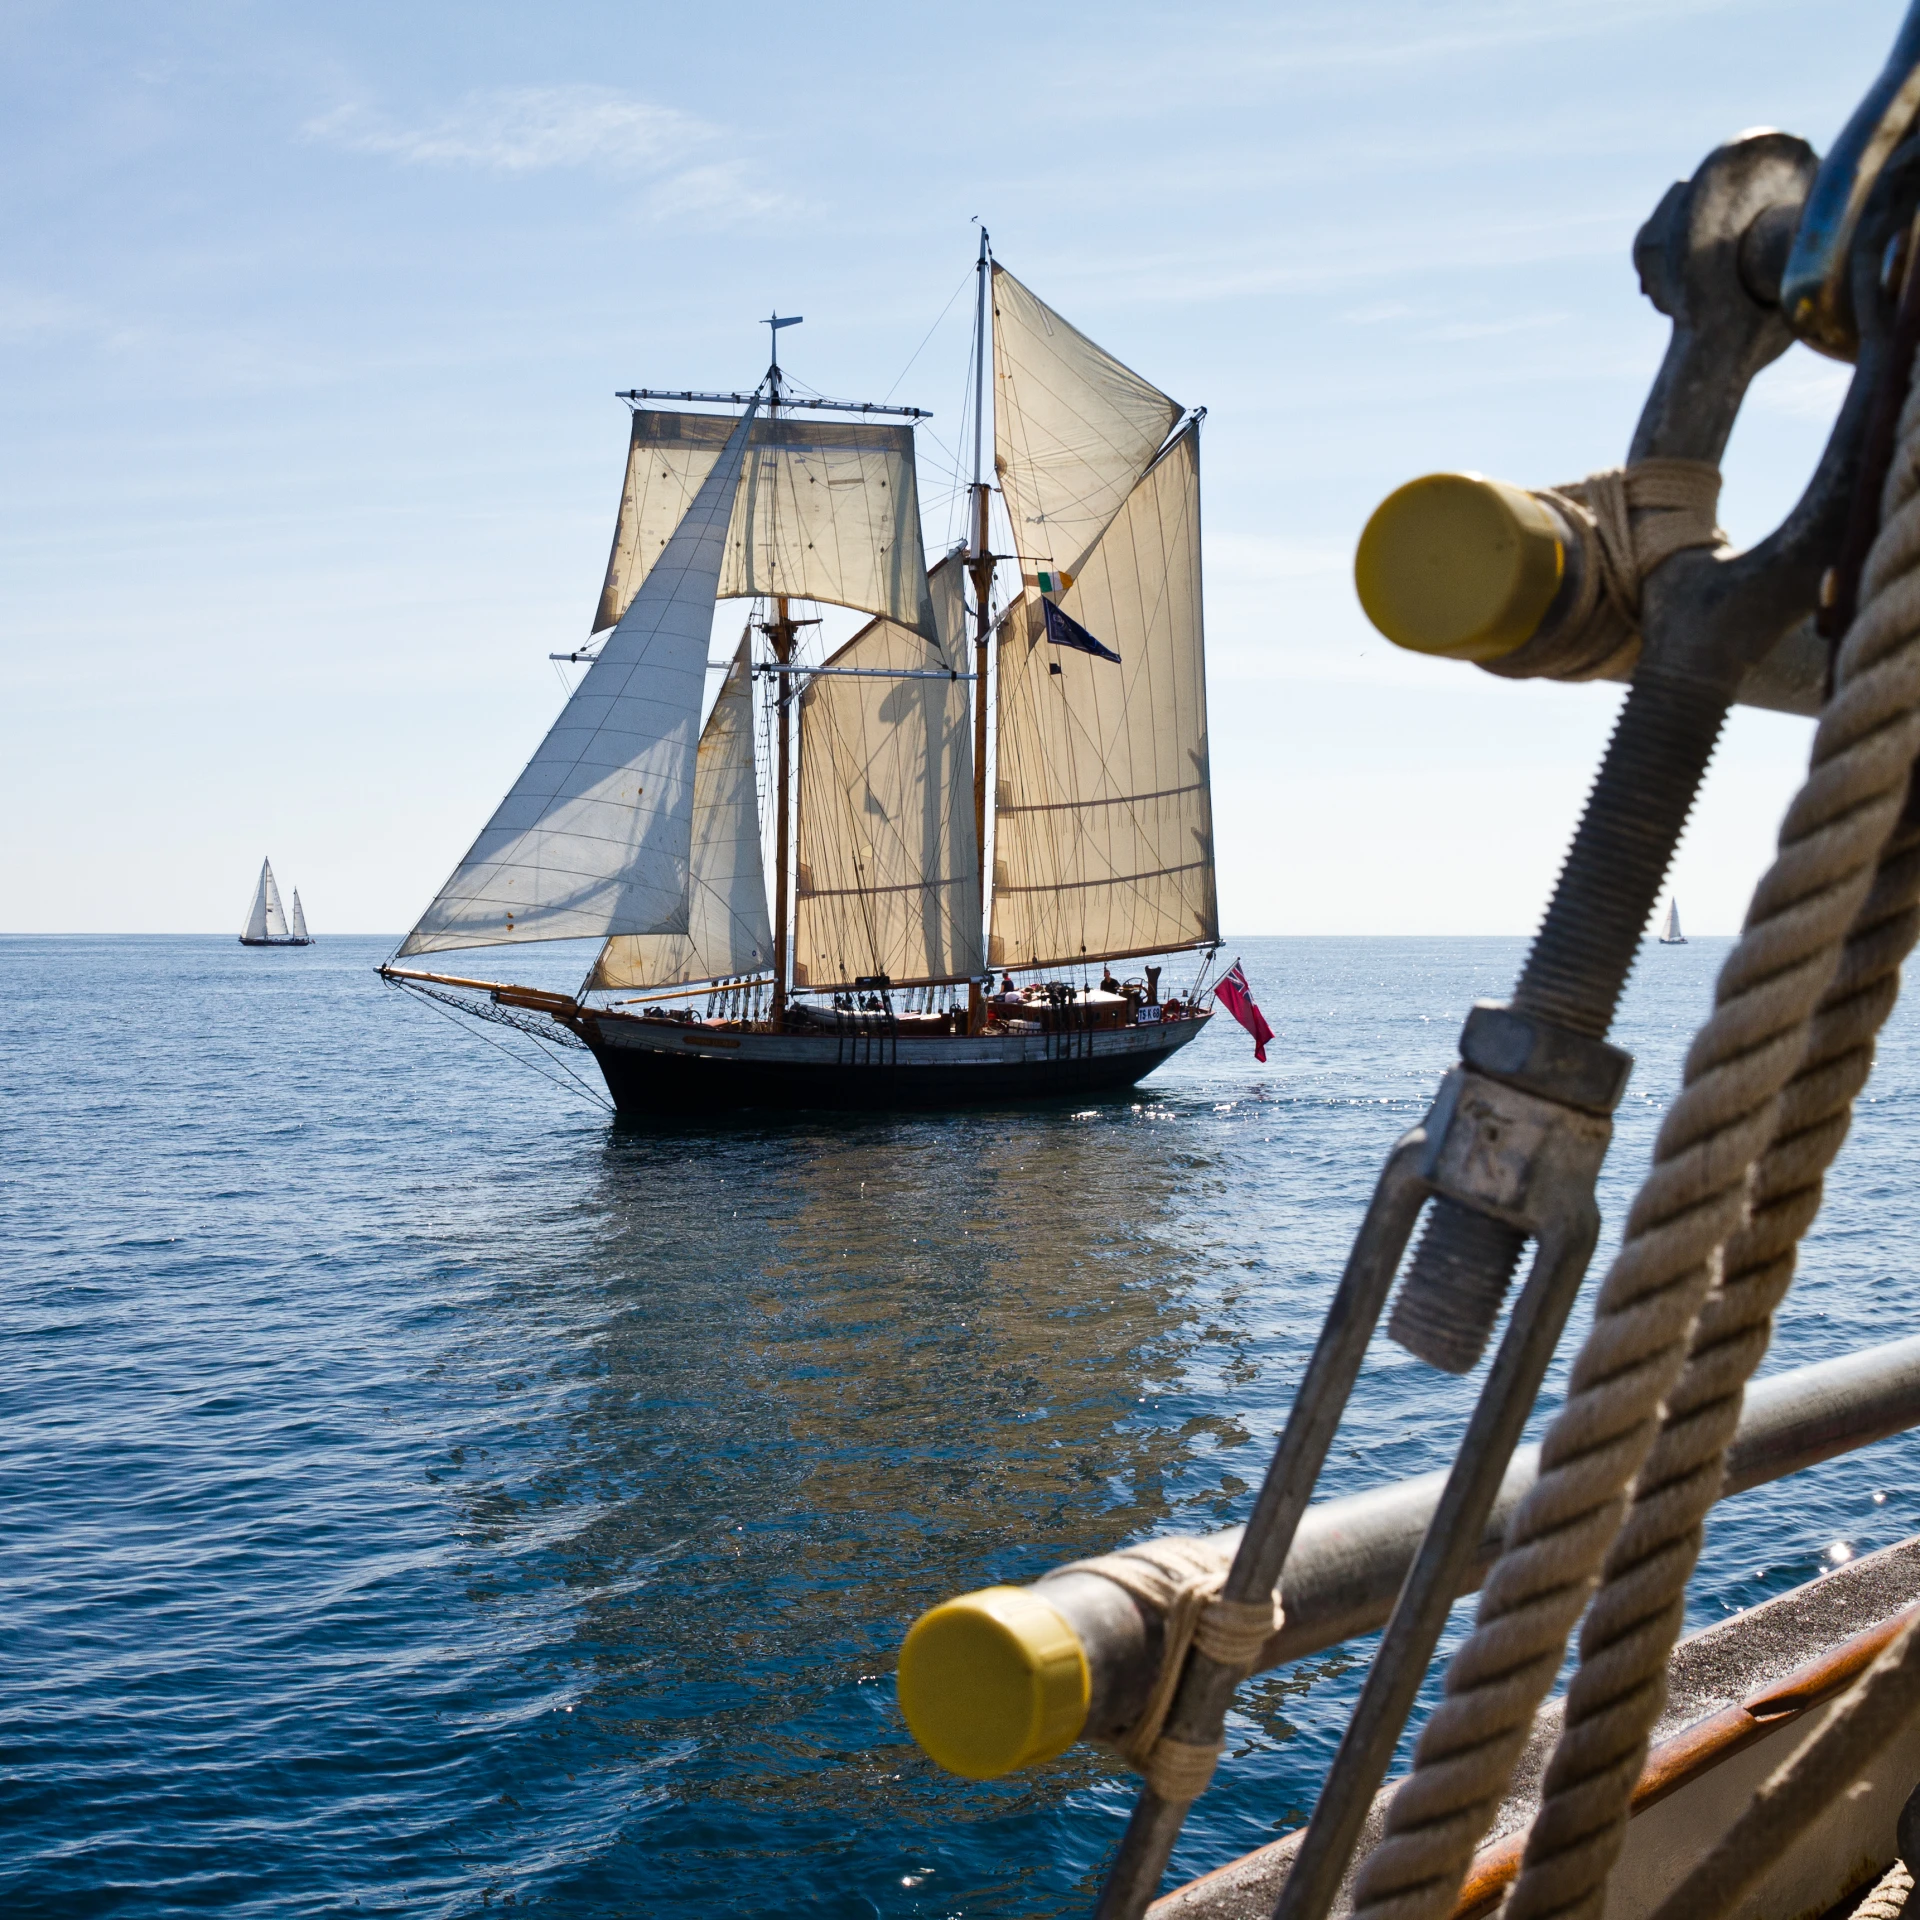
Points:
point(425, 1495)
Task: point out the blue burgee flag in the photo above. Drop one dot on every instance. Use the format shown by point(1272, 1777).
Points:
point(1064, 631)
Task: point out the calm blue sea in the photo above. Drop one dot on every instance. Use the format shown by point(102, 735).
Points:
point(424, 1495)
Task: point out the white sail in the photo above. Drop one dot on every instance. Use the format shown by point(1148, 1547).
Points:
point(1073, 429)
point(299, 917)
point(596, 836)
point(1104, 824)
point(887, 863)
point(1673, 935)
point(256, 927)
point(727, 932)
point(825, 510)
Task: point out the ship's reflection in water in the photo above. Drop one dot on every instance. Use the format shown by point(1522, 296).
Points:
point(821, 1379)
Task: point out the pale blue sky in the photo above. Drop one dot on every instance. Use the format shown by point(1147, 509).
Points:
point(312, 320)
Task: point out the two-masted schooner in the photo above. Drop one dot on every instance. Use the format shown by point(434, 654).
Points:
point(1003, 772)
point(267, 922)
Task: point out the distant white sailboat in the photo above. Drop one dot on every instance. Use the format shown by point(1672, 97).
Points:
point(267, 918)
point(1673, 937)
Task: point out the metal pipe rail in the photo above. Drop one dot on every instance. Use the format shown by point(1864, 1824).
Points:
point(980, 1662)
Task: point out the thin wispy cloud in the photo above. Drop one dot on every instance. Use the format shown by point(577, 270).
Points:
point(528, 130)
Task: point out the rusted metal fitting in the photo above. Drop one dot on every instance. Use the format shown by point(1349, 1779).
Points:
point(1539, 1057)
point(1511, 1161)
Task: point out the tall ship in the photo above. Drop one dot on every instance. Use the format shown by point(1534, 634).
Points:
point(268, 922)
point(886, 872)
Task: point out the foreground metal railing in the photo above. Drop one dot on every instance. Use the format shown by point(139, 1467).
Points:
point(1007, 1677)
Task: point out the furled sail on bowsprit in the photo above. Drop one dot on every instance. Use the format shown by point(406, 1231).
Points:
point(597, 834)
point(1104, 826)
point(824, 510)
point(888, 868)
point(266, 918)
point(1073, 429)
point(727, 932)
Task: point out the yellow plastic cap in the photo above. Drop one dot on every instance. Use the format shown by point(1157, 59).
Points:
point(1460, 565)
point(992, 1682)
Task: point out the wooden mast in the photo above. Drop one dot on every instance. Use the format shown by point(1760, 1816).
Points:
point(780, 634)
point(980, 565)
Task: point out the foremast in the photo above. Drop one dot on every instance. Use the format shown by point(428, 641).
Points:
point(980, 564)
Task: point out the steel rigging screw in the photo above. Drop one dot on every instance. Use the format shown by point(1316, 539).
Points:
point(1458, 1278)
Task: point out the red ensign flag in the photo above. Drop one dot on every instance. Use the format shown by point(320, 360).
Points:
point(1236, 996)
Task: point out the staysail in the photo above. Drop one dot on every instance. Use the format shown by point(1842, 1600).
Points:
point(597, 834)
point(823, 510)
point(1073, 429)
point(299, 918)
point(888, 867)
point(266, 918)
point(727, 932)
point(1104, 823)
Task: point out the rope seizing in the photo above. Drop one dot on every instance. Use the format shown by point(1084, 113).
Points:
point(1776, 990)
point(1625, 521)
point(1180, 1581)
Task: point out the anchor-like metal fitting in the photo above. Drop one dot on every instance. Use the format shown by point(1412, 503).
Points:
point(1706, 618)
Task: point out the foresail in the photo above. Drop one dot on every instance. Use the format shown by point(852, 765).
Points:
point(888, 872)
point(825, 510)
point(276, 914)
point(1104, 824)
point(727, 932)
point(596, 836)
point(1073, 429)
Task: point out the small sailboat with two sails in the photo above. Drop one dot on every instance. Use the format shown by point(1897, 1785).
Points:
point(1670, 935)
point(268, 923)
point(1004, 771)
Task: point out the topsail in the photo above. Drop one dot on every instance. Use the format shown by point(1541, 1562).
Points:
point(1073, 429)
point(597, 834)
point(822, 510)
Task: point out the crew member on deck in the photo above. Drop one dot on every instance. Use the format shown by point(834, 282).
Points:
point(1108, 984)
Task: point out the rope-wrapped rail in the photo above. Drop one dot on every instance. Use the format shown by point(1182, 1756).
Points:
point(1180, 1580)
point(1782, 980)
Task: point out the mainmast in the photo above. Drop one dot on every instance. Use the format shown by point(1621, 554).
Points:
point(980, 565)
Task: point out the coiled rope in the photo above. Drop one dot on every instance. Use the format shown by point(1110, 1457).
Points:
point(1782, 975)
point(1180, 1580)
